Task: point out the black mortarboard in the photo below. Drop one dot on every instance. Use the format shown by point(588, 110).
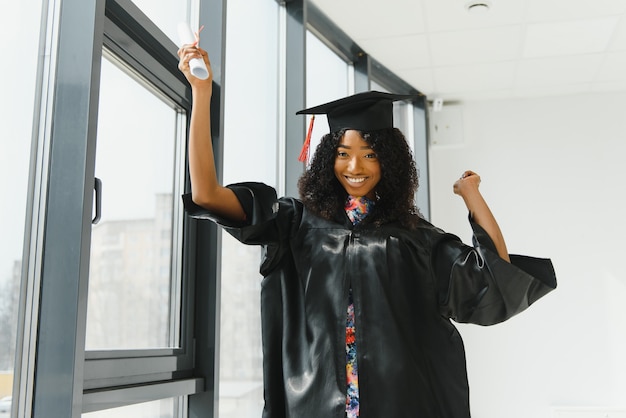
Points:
point(367, 111)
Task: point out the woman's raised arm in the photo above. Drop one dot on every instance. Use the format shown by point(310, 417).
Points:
point(205, 189)
point(467, 188)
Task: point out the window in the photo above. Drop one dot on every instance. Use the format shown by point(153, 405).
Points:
point(134, 279)
point(139, 344)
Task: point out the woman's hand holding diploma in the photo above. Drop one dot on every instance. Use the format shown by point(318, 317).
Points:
point(197, 66)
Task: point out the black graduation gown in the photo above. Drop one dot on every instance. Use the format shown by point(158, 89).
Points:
point(406, 286)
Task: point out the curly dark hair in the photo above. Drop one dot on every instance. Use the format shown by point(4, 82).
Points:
point(322, 193)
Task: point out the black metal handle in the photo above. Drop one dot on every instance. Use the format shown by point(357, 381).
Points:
point(97, 186)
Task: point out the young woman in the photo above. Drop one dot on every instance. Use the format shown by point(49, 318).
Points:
point(359, 291)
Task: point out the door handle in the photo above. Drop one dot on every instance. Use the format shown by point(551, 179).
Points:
point(97, 186)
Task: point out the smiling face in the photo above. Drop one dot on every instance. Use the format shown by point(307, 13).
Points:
point(356, 165)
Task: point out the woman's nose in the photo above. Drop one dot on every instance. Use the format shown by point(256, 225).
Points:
point(353, 164)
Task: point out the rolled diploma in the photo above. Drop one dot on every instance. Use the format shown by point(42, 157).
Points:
point(196, 65)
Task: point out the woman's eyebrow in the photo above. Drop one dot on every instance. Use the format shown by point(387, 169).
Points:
point(349, 147)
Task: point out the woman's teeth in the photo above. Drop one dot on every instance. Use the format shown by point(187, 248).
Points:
point(356, 179)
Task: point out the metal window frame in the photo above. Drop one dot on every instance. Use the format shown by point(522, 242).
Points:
point(114, 378)
point(293, 36)
point(192, 369)
point(54, 289)
point(54, 376)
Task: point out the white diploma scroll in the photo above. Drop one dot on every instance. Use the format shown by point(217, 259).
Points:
point(196, 65)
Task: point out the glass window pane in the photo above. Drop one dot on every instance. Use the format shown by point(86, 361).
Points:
point(249, 155)
point(163, 408)
point(19, 36)
point(401, 116)
point(327, 79)
point(166, 14)
point(402, 120)
point(133, 274)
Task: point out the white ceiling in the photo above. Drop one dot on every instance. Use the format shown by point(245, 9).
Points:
point(518, 48)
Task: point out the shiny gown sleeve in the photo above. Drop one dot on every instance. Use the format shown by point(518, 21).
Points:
point(260, 204)
point(477, 286)
point(269, 221)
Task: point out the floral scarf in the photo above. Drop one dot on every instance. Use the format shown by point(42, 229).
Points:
point(357, 209)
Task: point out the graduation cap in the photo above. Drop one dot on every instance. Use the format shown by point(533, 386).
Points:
point(368, 111)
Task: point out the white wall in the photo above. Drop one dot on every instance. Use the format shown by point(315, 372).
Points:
point(554, 173)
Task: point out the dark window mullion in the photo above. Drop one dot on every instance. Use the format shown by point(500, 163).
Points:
point(67, 225)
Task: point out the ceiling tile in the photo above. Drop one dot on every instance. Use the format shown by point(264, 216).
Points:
point(369, 19)
point(566, 38)
point(451, 15)
point(420, 78)
point(558, 70)
point(399, 52)
point(473, 78)
point(483, 95)
point(558, 10)
point(552, 90)
point(475, 46)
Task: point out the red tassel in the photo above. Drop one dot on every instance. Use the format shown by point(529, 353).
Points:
point(304, 154)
